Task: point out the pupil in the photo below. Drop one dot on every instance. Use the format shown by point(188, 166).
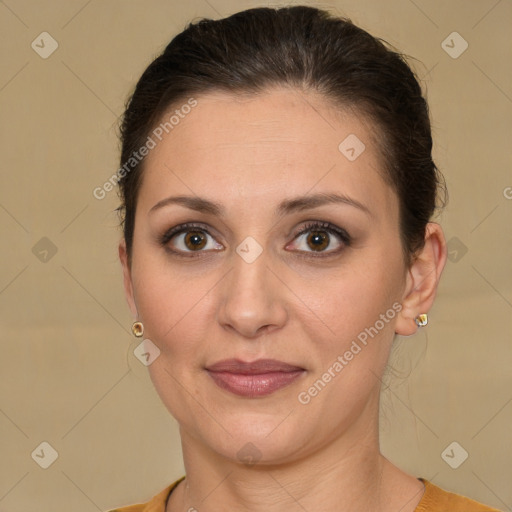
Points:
point(319, 240)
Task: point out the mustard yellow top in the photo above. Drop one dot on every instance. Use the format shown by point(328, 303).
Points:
point(434, 499)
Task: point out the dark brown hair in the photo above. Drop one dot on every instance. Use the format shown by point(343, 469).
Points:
point(308, 49)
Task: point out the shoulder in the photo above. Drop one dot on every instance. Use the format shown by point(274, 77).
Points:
point(155, 504)
point(436, 499)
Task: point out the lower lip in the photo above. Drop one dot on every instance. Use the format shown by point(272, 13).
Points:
point(252, 386)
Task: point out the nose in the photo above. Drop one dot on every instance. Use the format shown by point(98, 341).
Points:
point(252, 299)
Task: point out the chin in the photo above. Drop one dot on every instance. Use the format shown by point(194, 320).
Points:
point(257, 438)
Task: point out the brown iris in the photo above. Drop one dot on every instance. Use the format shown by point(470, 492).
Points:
point(195, 240)
point(318, 240)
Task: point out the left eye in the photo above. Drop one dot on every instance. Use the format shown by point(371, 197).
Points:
point(320, 237)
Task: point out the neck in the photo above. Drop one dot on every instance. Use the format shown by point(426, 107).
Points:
point(347, 474)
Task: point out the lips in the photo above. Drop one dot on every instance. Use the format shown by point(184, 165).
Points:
point(253, 379)
point(253, 368)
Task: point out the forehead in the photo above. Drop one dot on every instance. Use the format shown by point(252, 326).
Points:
point(274, 143)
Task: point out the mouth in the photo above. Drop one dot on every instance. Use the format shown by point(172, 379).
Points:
point(253, 379)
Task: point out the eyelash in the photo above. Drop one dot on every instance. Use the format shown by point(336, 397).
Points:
point(326, 227)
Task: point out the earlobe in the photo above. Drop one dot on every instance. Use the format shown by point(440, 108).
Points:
point(422, 280)
point(127, 278)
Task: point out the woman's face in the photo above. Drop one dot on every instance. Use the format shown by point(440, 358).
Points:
point(251, 277)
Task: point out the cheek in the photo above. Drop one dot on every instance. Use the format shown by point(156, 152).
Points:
point(355, 304)
point(356, 310)
point(351, 296)
point(175, 307)
point(173, 303)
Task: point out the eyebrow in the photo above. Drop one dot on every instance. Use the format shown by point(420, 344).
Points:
point(287, 206)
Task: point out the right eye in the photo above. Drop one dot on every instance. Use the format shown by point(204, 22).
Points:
point(189, 238)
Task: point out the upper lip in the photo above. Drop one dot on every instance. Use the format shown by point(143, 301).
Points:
point(252, 368)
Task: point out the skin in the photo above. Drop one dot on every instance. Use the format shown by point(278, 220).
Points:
point(249, 154)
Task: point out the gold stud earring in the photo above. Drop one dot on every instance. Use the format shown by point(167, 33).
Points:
point(421, 320)
point(138, 329)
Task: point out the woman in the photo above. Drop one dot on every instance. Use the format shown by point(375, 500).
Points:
point(277, 187)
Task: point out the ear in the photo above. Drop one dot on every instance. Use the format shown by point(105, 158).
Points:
point(127, 278)
point(422, 280)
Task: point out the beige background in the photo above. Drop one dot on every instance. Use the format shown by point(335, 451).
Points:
point(68, 373)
